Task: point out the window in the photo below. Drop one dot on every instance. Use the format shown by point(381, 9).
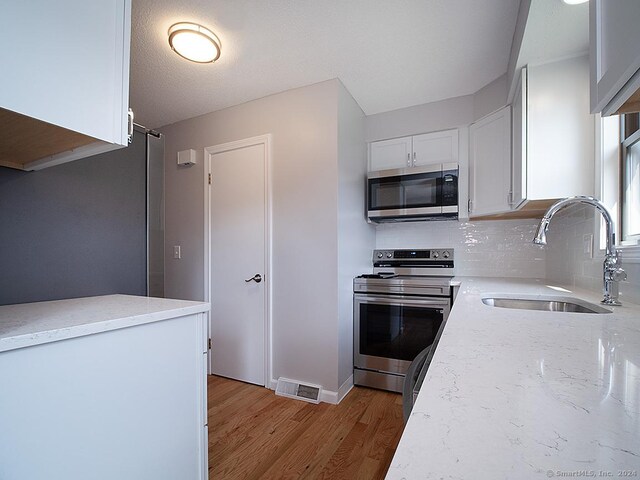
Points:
point(618, 181)
point(630, 178)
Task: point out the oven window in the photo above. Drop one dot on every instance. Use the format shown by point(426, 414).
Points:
point(405, 191)
point(396, 331)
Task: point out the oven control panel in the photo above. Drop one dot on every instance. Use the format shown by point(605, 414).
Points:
point(418, 256)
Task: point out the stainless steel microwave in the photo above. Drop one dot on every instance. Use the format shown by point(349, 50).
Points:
point(413, 194)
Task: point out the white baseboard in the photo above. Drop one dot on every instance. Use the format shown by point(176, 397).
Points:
point(327, 396)
point(345, 388)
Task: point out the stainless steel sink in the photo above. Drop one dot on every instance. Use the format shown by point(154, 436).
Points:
point(549, 304)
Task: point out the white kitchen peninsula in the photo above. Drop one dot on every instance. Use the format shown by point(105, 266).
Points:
point(103, 388)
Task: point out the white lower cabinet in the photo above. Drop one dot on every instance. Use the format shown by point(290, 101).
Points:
point(124, 404)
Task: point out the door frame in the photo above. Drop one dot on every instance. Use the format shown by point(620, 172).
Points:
point(265, 141)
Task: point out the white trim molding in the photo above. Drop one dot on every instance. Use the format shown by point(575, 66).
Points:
point(334, 398)
point(345, 388)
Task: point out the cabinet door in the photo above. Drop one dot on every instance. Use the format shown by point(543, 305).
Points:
point(560, 130)
point(614, 38)
point(519, 141)
point(70, 64)
point(490, 163)
point(387, 154)
point(436, 147)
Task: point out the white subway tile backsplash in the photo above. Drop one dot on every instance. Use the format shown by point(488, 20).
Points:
point(504, 248)
point(496, 248)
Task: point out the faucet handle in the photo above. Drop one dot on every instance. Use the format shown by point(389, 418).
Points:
point(618, 275)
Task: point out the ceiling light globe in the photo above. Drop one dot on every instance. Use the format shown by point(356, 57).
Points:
point(194, 42)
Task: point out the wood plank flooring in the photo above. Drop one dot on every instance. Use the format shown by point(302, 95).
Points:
point(254, 434)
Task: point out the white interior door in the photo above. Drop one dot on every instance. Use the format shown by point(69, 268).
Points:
point(238, 254)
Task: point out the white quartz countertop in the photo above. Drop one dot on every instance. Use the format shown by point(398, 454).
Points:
point(29, 324)
point(520, 394)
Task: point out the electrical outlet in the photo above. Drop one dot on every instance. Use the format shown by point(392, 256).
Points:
point(587, 244)
point(177, 251)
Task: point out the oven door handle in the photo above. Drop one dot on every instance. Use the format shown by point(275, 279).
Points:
point(402, 301)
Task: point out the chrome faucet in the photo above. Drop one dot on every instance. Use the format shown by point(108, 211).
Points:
point(612, 271)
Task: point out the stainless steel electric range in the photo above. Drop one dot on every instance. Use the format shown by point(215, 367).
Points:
point(398, 311)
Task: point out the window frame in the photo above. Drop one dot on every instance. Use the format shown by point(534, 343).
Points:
point(625, 144)
point(608, 185)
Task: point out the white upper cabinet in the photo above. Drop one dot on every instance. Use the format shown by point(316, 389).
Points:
point(418, 150)
point(387, 154)
point(614, 37)
point(490, 164)
point(436, 147)
point(519, 142)
point(65, 83)
point(560, 131)
point(545, 152)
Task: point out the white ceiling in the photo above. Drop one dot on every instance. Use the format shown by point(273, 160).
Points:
point(554, 30)
point(389, 54)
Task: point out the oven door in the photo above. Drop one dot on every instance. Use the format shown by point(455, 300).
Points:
point(390, 331)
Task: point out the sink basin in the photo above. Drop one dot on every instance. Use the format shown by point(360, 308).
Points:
point(550, 304)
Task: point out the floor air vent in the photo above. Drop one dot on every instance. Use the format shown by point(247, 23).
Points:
point(301, 391)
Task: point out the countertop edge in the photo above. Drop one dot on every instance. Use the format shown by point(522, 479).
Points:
point(74, 331)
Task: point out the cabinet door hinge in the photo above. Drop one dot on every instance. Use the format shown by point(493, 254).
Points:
point(130, 125)
point(209, 343)
point(209, 179)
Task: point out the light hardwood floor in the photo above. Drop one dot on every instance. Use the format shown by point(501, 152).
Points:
point(254, 434)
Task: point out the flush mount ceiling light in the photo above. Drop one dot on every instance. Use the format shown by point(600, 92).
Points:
point(574, 2)
point(194, 42)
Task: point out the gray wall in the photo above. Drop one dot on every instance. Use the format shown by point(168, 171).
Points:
point(74, 230)
point(457, 112)
point(429, 117)
point(490, 98)
point(304, 172)
point(356, 238)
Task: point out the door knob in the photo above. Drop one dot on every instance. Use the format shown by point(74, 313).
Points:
point(256, 278)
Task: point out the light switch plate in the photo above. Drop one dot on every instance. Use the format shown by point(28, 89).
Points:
point(177, 251)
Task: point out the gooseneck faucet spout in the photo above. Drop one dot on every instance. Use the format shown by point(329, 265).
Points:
point(612, 272)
